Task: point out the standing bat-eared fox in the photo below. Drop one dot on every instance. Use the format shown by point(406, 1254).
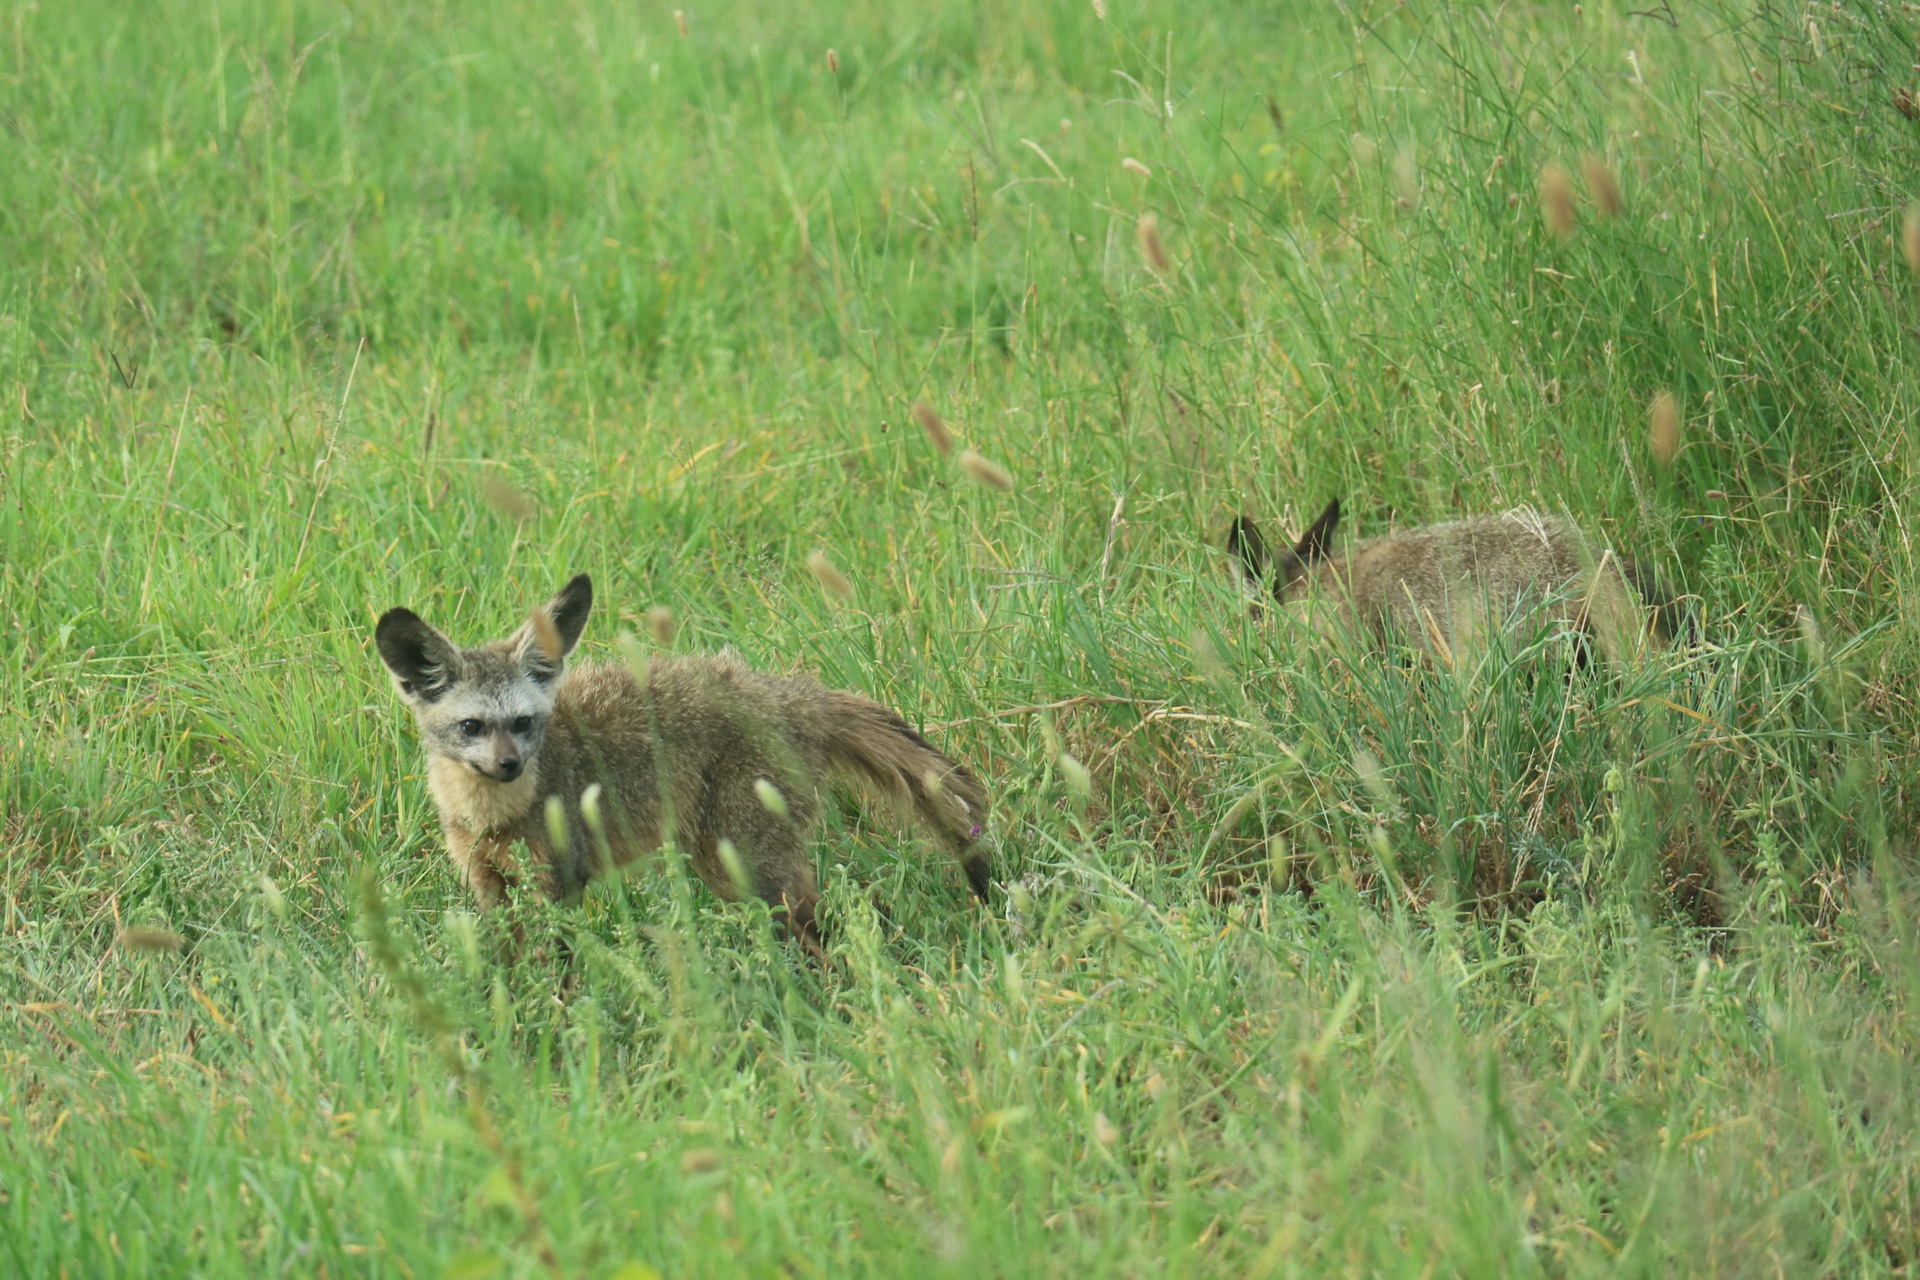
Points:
point(733, 759)
point(1428, 586)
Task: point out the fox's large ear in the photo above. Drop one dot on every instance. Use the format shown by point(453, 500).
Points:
point(423, 662)
point(569, 611)
point(1246, 545)
point(1313, 543)
point(551, 633)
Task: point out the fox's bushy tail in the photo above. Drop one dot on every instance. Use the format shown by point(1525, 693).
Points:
point(867, 739)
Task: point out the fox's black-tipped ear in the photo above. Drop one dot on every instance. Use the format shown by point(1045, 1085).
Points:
point(423, 662)
point(551, 633)
point(1313, 543)
point(569, 611)
point(1245, 544)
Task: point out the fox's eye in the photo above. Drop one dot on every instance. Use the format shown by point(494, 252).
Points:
point(471, 728)
point(522, 723)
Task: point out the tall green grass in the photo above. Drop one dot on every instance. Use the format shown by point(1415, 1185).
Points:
point(1339, 964)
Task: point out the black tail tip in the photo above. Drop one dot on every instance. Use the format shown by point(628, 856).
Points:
point(1674, 617)
point(979, 875)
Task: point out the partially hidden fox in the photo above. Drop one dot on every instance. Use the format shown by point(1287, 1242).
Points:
point(1430, 586)
point(544, 774)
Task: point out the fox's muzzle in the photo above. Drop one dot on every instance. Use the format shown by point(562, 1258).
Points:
point(502, 762)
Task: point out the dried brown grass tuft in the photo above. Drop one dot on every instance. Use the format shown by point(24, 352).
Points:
point(990, 474)
point(1147, 230)
point(929, 420)
point(1603, 187)
point(1556, 200)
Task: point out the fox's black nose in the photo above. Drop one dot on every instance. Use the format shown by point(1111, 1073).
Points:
point(509, 767)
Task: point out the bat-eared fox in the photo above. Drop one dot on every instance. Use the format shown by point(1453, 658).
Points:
point(1428, 587)
point(544, 775)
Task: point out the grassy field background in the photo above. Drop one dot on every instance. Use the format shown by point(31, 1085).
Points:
point(1338, 964)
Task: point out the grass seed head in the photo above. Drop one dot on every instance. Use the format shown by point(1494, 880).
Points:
point(736, 869)
point(590, 809)
point(833, 63)
point(1810, 636)
point(680, 21)
point(270, 893)
point(634, 656)
point(770, 798)
point(929, 420)
point(703, 1159)
point(1910, 237)
point(1151, 248)
point(500, 494)
point(1206, 658)
point(1663, 428)
point(1556, 200)
point(1602, 186)
point(831, 580)
point(1406, 180)
point(1279, 862)
point(147, 937)
point(1134, 166)
point(1075, 775)
point(1373, 776)
point(990, 474)
point(557, 823)
point(1104, 1131)
point(660, 625)
point(1100, 9)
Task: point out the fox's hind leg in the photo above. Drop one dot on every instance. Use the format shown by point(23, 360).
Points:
point(751, 848)
point(774, 867)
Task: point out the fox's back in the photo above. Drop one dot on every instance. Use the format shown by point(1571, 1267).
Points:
point(1434, 580)
point(1502, 556)
point(609, 728)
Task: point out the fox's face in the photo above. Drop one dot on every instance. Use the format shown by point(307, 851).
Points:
point(1279, 570)
point(486, 708)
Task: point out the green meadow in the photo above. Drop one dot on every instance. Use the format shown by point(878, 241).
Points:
point(1309, 960)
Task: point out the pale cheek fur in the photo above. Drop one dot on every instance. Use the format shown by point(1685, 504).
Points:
point(475, 802)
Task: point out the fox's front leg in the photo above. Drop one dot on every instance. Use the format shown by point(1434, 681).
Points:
point(468, 854)
point(493, 865)
point(488, 885)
